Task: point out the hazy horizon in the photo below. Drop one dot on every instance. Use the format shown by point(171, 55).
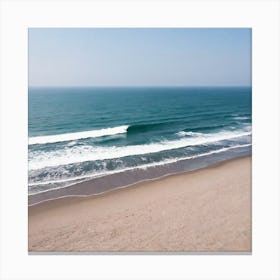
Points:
point(139, 57)
point(142, 86)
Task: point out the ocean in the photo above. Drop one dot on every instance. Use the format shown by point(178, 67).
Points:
point(79, 134)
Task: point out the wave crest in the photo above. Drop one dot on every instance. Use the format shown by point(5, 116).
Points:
point(69, 155)
point(77, 135)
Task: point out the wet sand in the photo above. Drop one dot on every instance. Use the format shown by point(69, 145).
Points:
point(207, 210)
point(109, 182)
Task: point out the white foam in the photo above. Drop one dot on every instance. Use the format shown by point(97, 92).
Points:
point(189, 133)
point(143, 166)
point(77, 135)
point(76, 154)
point(241, 118)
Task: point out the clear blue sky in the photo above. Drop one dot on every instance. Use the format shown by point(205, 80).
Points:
point(140, 57)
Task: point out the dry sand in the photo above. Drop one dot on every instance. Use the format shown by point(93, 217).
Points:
point(208, 210)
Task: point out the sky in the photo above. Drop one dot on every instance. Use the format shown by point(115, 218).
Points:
point(139, 57)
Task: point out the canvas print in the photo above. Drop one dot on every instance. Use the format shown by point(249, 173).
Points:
point(139, 140)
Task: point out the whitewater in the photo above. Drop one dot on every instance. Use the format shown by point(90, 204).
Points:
point(78, 134)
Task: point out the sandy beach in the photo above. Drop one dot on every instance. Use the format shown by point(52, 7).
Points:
point(207, 210)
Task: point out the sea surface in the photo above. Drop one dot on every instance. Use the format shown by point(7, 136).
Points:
point(77, 134)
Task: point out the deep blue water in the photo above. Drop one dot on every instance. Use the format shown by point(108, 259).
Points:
point(81, 133)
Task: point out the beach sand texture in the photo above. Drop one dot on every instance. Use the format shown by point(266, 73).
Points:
point(208, 210)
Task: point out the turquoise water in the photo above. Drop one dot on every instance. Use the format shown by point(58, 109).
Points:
point(81, 133)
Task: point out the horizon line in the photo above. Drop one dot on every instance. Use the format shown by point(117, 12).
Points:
point(144, 86)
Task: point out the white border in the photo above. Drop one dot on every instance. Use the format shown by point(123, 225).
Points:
point(262, 16)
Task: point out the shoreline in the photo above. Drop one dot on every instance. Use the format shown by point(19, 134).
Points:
point(133, 185)
point(128, 178)
point(129, 219)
